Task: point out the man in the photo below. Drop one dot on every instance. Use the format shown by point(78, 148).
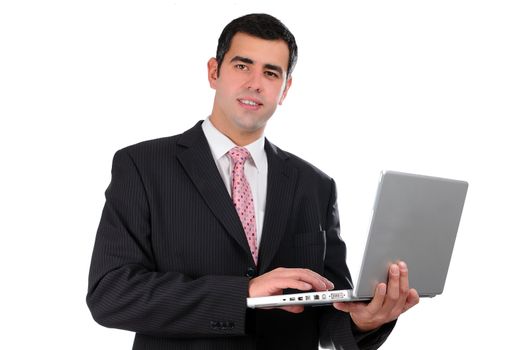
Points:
point(195, 223)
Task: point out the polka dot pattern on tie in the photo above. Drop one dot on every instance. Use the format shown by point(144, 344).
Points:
point(242, 197)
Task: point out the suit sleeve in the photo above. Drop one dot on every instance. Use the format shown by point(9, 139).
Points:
point(337, 330)
point(125, 291)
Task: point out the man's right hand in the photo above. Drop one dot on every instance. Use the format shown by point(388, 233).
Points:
point(274, 282)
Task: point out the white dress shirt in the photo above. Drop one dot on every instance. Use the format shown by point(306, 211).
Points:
point(255, 168)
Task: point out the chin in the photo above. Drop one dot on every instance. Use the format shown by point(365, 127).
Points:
point(251, 126)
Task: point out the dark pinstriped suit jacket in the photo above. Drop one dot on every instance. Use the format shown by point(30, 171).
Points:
point(171, 261)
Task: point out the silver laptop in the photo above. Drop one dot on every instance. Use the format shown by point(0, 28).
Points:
point(415, 219)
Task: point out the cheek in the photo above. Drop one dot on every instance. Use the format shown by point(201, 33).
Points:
point(223, 90)
point(229, 87)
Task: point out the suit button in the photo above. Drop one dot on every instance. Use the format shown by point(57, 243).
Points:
point(251, 272)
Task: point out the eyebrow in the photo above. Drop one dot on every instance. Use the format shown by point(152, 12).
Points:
point(266, 66)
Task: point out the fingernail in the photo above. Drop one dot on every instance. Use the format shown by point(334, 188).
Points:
point(402, 265)
point(382, 289)
point(394, 269)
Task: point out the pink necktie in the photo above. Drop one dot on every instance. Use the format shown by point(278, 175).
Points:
point(243, 198)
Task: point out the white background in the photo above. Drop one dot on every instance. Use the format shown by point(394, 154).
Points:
point(430, 87)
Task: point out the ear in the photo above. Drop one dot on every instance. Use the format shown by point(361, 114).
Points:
point(284, 93)
point(212, 67)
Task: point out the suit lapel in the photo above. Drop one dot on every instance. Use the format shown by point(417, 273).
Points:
point(199, 165)
point(281, 183)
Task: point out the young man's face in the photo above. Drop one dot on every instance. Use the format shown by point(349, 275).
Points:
point(251, 83)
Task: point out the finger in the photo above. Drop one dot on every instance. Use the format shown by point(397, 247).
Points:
point(352, 307)
point(392, 294)
point(324, 283)
point(286, 283)
point(377, 302)
point(274, 282)
point(342, 307)
point(293, 309)
point(404, 287)
point(412, 300)
point(317, 281)
point(404, 284)
point(346, 307)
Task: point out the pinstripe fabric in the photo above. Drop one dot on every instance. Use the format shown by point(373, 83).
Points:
point(171, 261)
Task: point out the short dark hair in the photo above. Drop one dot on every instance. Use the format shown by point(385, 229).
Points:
point(262, 26)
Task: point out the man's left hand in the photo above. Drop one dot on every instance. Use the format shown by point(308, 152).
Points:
point(388, 303)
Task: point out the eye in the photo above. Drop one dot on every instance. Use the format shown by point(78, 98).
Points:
point(271, 74)
point(241, 66)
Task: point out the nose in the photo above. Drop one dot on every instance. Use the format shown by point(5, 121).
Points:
point(254, 82)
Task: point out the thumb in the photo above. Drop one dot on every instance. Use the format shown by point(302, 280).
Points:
point(342, 306)
point(349, 306)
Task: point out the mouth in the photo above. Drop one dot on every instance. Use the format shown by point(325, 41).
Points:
point(249, 103)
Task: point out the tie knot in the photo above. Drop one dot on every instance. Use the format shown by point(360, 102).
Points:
point(239, 154)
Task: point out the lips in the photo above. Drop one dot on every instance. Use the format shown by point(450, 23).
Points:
point(249, 103)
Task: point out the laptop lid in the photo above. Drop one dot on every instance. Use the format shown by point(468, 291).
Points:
point(415, 219)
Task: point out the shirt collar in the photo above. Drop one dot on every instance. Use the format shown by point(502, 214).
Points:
point(220, 144)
